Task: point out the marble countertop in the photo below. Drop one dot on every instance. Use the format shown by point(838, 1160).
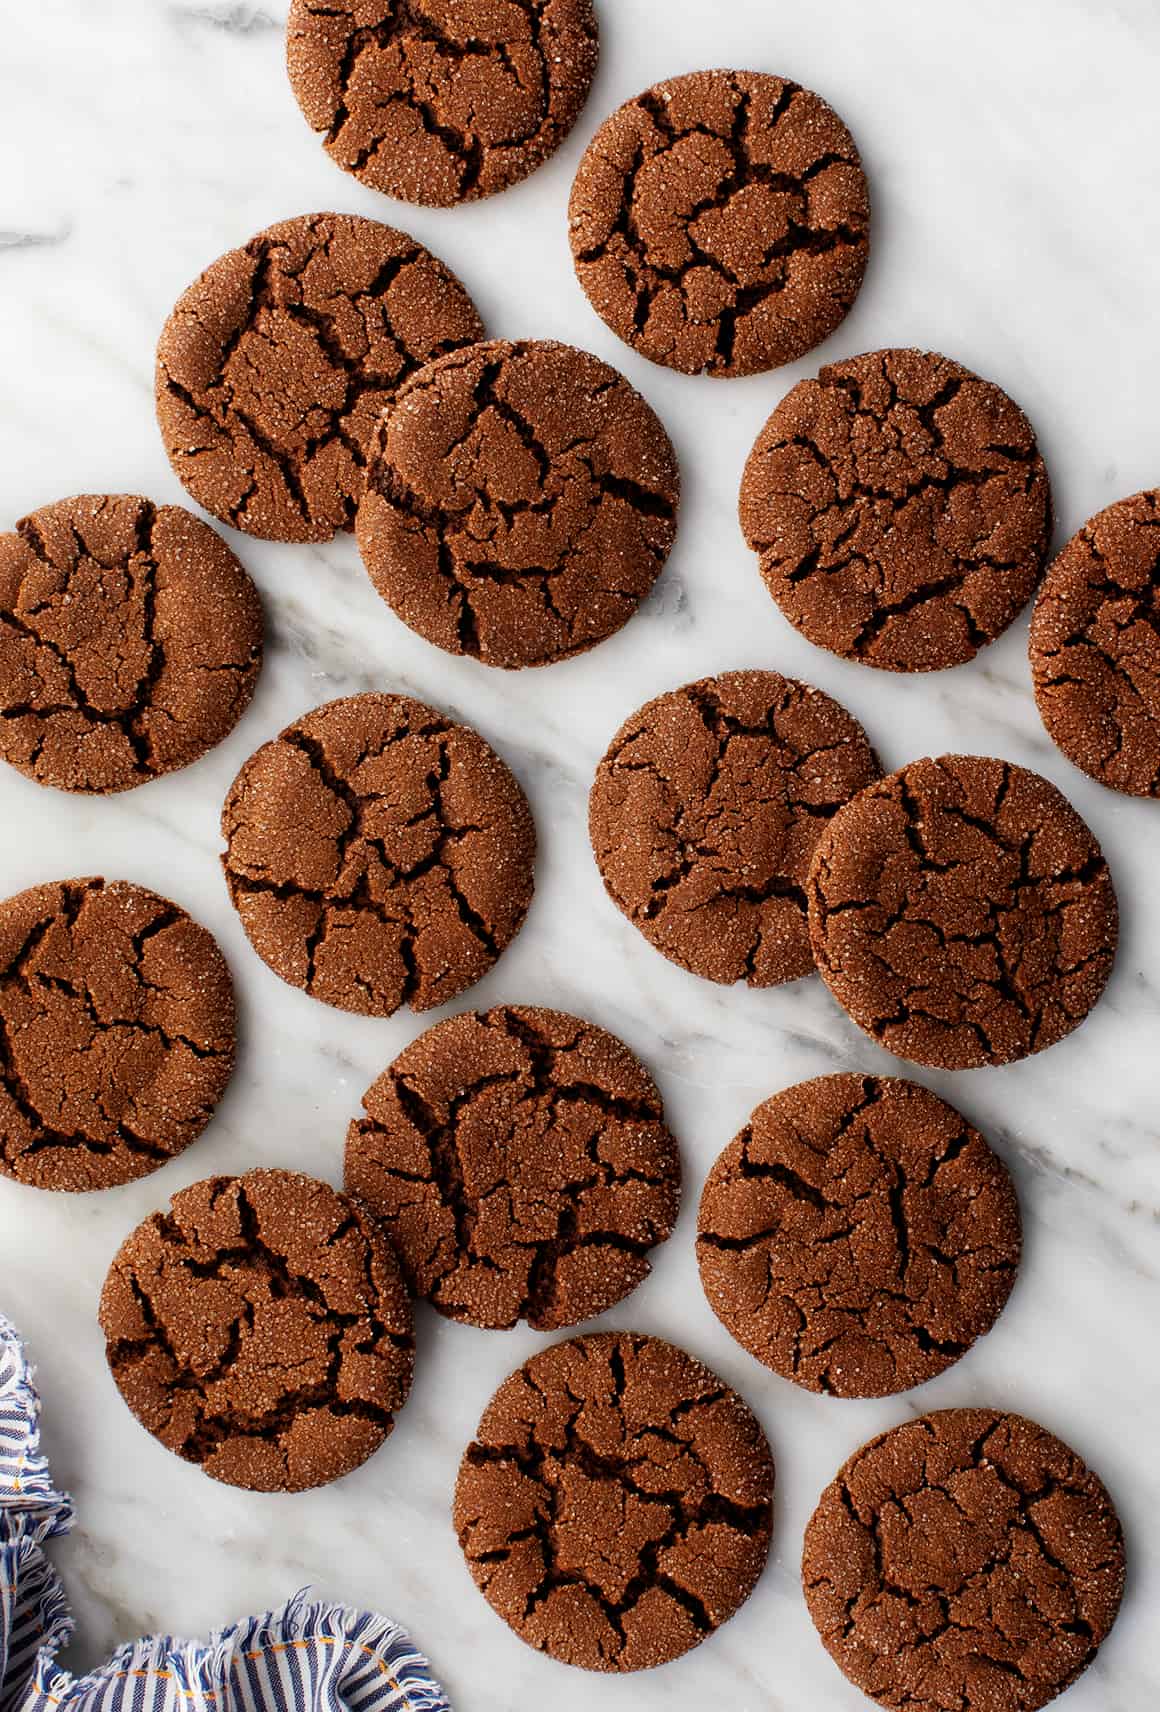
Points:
point(1013, 156)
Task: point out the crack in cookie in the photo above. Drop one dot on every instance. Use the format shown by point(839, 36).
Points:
point(439, 102)
point(705, 812)
point(968, 1558)
point(519, 1161)
point(520, 503)
point(962, 912)
point(116, 1033)
point(615, 1507)
point(275, 364)
point(130, 642)
point(858, 1235)
point(900, 510)
point(378, 854)
point(720, 222)
point(261, 1328)
point(1095, 647)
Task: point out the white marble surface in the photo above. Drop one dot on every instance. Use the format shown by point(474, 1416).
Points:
point(1014, 162)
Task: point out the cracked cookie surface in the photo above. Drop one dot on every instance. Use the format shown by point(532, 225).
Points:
point(965, 1559)
point(900, 510)
point(378, 854)
point(720, 222)
point(615, 1507)
point(521, 501)
point(261, 1328)
point(116, 1033)
point(275, 364)
point(1095, 647)
point(519, 1161)
point(441, 101)
point(858, 1235)
point(962, 912)
point(704, 816)
point(130, 642)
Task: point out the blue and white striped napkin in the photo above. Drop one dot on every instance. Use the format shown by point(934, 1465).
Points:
point(306, 1657)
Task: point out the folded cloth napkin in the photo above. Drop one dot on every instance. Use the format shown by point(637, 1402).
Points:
point(306, 1657)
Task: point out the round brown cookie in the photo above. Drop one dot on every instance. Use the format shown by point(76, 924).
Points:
point(1095, 647)
point(130, 642)
point(519, 1161)
point(378, 854)
point(275, 364)
point(965, 1559)
point(261, 1328)
point(962, 912)
point(116, 1033)
point(858, 1235)
point(900, 508)
point(615, 1507)
point(441, 101)
point(705, 812)
point(520, 502)
point(720, 222)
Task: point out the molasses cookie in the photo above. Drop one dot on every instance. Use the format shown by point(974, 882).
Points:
point(1095, 647)
point(519, 1161)
point(441, 103)
point(261, 1328)
point(720, 222)
point(520, 502)
point(275, 364)
point(858, 1235)
point(966, 1559)
point(130, 642)
point(378, 854)
point(962, 912)
point(900, 509)
point(705, 813)
point(116, 1033)
point(615, 1507)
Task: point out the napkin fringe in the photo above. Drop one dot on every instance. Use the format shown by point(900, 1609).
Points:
point(371, 1662)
